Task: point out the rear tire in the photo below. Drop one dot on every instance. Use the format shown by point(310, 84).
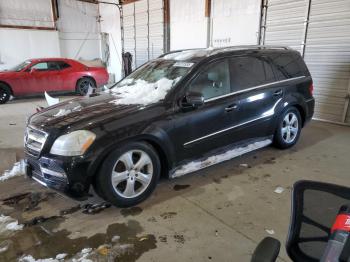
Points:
point(129, 174)
point(5, 93)
point(83, 85)
point(288, 128)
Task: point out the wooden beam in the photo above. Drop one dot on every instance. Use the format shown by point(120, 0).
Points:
point(28, 27)
point(124, 2)
point(207, 8)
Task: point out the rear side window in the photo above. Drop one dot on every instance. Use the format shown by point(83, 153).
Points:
point(249, 72)
point(288, 65)
point(63, 65)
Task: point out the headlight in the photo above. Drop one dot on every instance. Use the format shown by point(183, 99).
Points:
point(73, 144)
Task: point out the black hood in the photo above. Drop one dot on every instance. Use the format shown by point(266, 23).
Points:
point(84, 112)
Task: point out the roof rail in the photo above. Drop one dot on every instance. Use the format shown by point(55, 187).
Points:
point(260, 46)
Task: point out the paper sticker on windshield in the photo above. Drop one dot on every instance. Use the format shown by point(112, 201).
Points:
point(183, 64)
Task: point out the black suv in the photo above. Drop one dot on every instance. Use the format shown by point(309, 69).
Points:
point(176, 114)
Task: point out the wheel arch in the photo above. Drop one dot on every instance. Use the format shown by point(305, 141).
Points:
point(7, 85)
point(149, 139)
point(85, 76)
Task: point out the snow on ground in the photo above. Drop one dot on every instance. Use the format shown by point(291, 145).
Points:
point(212, 160)
point(142, 92)
point(80, 257)
point(9, 224)
point(17, 170)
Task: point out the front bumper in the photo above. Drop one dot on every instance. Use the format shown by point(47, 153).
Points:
point(65, 174)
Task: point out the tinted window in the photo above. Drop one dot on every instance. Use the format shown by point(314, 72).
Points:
point(249, 72)
point(53, 66)
point(288, 65)
point(213, 81)
point(62, 65)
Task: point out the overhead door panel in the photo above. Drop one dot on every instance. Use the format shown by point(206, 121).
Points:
point(326, 31)
point(129, 30)
point(156, 28)
point(141, 19)
point(144, 30)
point(327, 55)
point(285, 23)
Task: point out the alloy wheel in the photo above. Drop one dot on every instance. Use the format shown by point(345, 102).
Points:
point(3, 95)
point(132, 173)
point(290, 127)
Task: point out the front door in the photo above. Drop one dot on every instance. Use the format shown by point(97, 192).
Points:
point(199, 130)
point(44, 76)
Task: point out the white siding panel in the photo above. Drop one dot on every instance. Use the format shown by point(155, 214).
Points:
point(285, 23)
point(144, 30)
point(327, 54)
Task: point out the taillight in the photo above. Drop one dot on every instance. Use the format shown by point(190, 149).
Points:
point(311, 89)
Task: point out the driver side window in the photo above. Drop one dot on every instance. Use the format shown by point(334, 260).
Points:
point(42, 66)
point(214, 81)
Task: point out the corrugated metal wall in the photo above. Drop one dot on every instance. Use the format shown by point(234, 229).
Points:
point(326, 29)
point(143, 30)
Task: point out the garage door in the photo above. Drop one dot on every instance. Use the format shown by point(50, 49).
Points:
point(143, 30)
point(327, 47)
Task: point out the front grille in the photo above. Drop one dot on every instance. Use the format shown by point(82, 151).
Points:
point(34, 141)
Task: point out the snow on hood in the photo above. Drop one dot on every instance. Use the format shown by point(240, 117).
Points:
point(17, 170)
point(142, 92)
point(232, 153)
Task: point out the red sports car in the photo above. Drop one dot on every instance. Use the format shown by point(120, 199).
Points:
point(36, 76)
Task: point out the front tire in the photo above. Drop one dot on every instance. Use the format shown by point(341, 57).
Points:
point(5, 93)
point(129, 174)
point(288, 129)
point(84, 84)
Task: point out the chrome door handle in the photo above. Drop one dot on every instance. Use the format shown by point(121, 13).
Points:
point(278, 92)
point(231, 108)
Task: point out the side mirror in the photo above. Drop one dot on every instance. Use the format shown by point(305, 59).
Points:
point(33, 70)
point(192, 99)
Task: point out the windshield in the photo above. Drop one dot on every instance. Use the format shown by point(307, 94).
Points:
point(151, 82)
point(20, 67)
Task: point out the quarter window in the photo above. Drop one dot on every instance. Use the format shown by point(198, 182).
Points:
point(214, 81)
point(249, 71)
point(288, 65)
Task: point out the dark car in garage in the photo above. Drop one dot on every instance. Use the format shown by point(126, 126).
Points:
point(35, 76)
point(176, 114)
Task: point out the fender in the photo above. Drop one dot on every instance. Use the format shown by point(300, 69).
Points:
point(153, 135)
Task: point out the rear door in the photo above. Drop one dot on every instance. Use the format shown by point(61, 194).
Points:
point(257, 95)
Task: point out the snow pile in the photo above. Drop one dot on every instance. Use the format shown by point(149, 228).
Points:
point(80, 257)
point(17, 170)
point(142, 92)
point(9, 224)
point(197, 165)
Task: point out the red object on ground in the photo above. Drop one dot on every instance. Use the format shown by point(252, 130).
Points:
point(342, 222)
point(35, 76)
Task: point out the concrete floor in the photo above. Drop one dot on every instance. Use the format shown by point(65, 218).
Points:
point(216, 214)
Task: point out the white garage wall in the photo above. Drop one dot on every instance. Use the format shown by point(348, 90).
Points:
point(188, 25)
point(79, 30)
point(235, 22)
point(19, 45)
point(110, 24)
